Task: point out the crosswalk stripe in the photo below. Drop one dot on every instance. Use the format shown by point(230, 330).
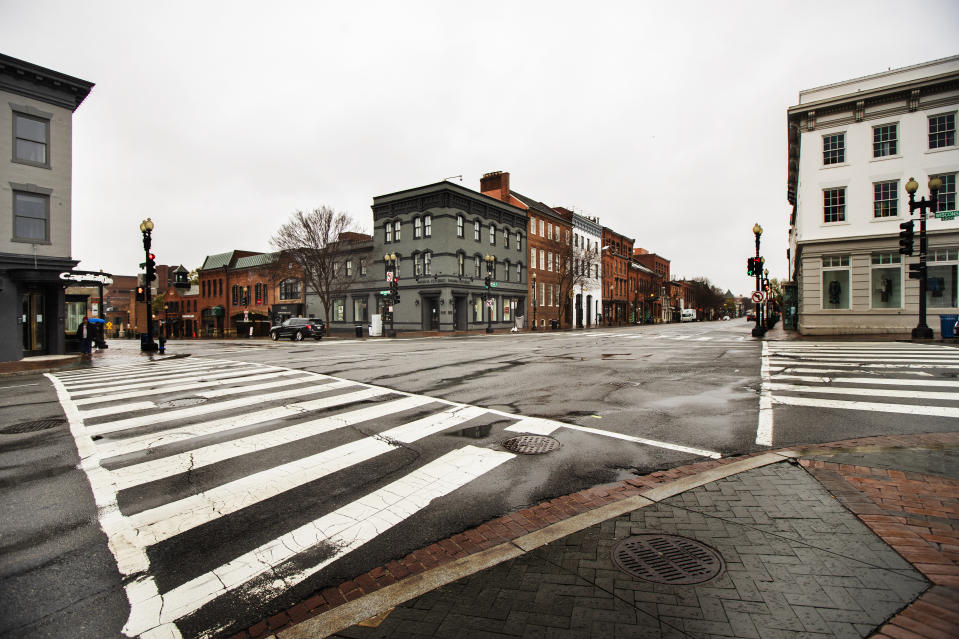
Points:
point(846, 371)
point(887, 381)
point(115, 410)
point(152, 470)
point(180, 433)
point(154, 419)
point(857, 364)
point(911, 409)
point(231, 378)
point(131, 378)
point(876, 392)
point(847, 357)
point(345, 529)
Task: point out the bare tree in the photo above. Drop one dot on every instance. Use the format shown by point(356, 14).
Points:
point(575, 268)
point(314, 242)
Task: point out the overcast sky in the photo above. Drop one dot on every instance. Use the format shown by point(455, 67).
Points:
point(667, 120)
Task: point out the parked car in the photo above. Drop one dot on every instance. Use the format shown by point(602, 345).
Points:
point(750, 317)
point(296, 328)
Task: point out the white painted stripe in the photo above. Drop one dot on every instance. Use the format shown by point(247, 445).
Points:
point(115, 410)
point(168, 520)
point(764, 425)
point(876, 392)
point(705, 339)
point(155, 376)
point(852, 357)
point(237, 390)
point(345, 529)
point(908, 409)
point(184, 432)
point(99, 373)
point(232, 378)
point(204, 409)
point(888, 381)
point(845, 371)
point(177, 382)
point(789, 363)
point(648, 442)
point(155, 469)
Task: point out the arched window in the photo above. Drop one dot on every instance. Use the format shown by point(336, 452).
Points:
point(417, 228)
point(459, 226)
point(519, 273)
point(236, 295)
point(428, 226)
point(505, 238)
point(417, 264)
point(427, 263)
point(519, 241)
point(258, 293)
point(461, 264)
point(492, 235)
point(476, 266)
point(388, 230)
point(396, 231)
point(476, 230)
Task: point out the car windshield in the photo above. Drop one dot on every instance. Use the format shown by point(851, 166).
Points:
point(286, 323)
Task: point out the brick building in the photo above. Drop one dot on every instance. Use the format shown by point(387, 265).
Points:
point(659, 265)
point(617, 252)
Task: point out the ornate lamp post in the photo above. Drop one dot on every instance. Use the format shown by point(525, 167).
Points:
point(922, 331)
point(390, 259)
point(759, 330)
point(534, 301)
point(146, 228)
point(490, 261)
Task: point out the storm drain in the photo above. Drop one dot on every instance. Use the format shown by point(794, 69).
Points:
point(31, 427)
point(182, 401)
point(667, 559)
point(531, 444)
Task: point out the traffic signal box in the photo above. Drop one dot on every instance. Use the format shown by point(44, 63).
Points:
point(141, 294)
point(151, 267)
point(751, 266)
point(906, 236)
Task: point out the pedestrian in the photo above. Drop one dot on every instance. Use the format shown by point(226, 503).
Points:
point(85, 333)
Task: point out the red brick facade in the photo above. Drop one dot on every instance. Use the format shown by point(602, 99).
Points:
point(617, 251)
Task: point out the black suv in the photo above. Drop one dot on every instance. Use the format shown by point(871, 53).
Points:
point(296, 328)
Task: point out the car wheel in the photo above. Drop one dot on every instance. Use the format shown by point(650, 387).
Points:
point(298, 336)
point(274, 336)
point(317, 337)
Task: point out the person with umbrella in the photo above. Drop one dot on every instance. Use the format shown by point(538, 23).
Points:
point(85, 332)
point(98, 325)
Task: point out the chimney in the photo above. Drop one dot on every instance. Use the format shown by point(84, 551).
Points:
point(495, 184)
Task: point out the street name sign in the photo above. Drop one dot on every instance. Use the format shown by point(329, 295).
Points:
point(947, 215)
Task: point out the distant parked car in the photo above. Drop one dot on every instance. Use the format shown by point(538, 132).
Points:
point(750, 317)
point(296, 328)
point(725, 317)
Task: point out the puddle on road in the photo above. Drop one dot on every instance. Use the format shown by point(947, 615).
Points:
point(616, 356)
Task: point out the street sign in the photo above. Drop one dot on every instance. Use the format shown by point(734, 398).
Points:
point(494, 284)
point(389, 276)
point(947, 215)
point(384, 292)
point(758, 296)
point(490, 303)
point(109, 326)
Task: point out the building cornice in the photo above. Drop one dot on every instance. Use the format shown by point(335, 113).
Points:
point(40, 83)
point(447, 195)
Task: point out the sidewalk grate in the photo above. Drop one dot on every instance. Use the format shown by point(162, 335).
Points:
point(31, 427)
point(531, 444)
point(667, 559)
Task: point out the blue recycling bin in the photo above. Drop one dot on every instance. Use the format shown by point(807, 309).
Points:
point(947, 325)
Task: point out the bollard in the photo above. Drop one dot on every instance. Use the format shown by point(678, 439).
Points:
point(162, 341)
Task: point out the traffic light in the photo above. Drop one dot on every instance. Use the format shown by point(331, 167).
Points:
point(141, 294)
point(905, 238)
point(487, 282)
point(151, 267)
point(751, 266)
point(916, 271)
point(395, 289)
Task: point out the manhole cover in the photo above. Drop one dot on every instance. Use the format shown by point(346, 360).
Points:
point(182, 401)
point(30, 427)
point(667, 559)
point(531, 444)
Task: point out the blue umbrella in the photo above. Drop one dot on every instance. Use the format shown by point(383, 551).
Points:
point(96, 320)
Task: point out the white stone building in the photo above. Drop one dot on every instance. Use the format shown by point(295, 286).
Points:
point(587, 254)
point(853, 146)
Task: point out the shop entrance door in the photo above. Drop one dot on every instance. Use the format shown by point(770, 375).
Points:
point(31, 319)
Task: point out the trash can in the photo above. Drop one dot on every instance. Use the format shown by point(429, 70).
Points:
point(947, 325)
point(359, 329)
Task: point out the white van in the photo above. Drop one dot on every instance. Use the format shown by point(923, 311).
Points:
point(689, 315)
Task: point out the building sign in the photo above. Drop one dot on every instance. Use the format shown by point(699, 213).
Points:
point(87, 278)
point(947, 215)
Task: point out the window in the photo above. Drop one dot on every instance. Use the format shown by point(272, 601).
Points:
point(461, 264)
point(505, 238)
point(549, 230)
point(428, 226)
point(349, 268)
point(550, 303)
point(886, 280)
point(388, 229)
point(549, 261)
point(541, 228)
point(360, 310)
point(258, 294)
point(236, 297)
point(942, 130)
point(532, 258)
point(542, 294)
point(363, 266)
point(519, 273)
point(941, 278)
point(476, 266)
point(532, 225)
point(508, 305)
point(427, 262)
point(459, 226)
point(542, 259)
point(31, 137)
point(834, 205)
point(947, 192)
point(396, 230)
point(834, 148)
point(492, 235)
point(418, 264)
point(886, 199)
point(477, 308)
point(417, 228)
point(835, 282)
point(339, 310)
point(476, 230)
point(885, 140)
point(31, 212)
point(290, 289)
point(519, 242)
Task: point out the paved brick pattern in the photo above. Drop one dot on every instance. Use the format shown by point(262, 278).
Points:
point(798, 564)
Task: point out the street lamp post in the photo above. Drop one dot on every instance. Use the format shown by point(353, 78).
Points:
point(922, 331)
point(759, 329)
point(490, 261)
point(534, 301)
point(390, 259)
point(146, 228)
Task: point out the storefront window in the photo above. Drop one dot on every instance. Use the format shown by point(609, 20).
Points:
point(478, 309)
point(886, 280)
point(339, 310)
point(360, 310)
point(75, 313)
point(941, 278)
point(835, 282)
